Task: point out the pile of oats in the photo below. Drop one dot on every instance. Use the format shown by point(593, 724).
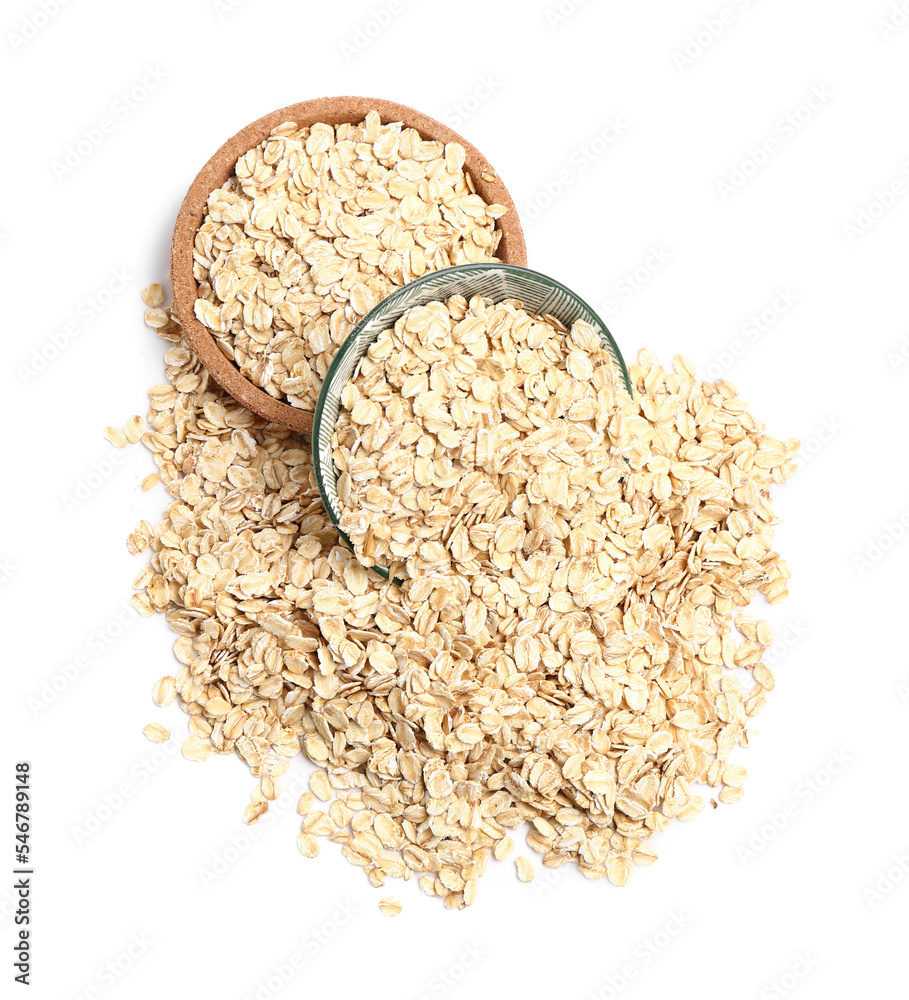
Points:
point(316, 226)
point(440, 717)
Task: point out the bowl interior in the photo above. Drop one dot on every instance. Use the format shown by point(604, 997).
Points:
point(538, 293)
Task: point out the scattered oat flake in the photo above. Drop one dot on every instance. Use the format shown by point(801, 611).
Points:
point(164, 690)
point(618, 868)
point(524, 869)
point(150, 481)
point(198, 749)
point(503, 848)
point(307, 845)
point(116, 437)
point(157, 733)
point(134, 428)
point(390, 906)
point(157, 319)
point(321, 786)
point(254, 812)
point(269, 787)
point(153, 295)
point(735, 776)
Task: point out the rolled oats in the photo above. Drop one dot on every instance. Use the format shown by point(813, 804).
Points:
point(115, 436)
point(153, 295)
point(164, 691)
point(589, 675)
point(524, 869)
point(133, 429)
point(307, 845)
point(195, 748)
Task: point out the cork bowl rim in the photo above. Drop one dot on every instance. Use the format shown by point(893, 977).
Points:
point(220, 166)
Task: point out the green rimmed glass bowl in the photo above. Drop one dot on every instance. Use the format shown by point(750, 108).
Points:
point(537, 292)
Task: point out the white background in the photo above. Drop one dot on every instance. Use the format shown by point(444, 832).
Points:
point(772, 890)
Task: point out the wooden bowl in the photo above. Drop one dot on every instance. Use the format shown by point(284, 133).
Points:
point(332, 111)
